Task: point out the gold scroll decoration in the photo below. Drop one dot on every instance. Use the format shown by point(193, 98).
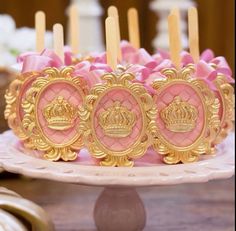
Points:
point(119, 118)
point(59, 115)
point(203, 144)
point(226, 93)
point(13, 98)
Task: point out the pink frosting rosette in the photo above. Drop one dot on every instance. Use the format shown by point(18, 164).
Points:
point(90, 72)
point(36, 62)
point(149, 67)
point(207, 68)
point(139, 62)
point(135, 61)
point(33, 61)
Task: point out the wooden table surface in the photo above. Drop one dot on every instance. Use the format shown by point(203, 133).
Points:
point(188, 207)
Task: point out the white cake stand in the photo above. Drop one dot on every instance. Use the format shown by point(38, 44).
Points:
point(119, 207)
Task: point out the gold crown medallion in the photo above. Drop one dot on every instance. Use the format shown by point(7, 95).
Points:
point(60, 114)
point(117, 121)
point(179, 116)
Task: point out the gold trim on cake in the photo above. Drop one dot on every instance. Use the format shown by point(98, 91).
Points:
point(37, 139)
point(13, 103)
point(203, 144)
point(226, 92)
point(125, 120)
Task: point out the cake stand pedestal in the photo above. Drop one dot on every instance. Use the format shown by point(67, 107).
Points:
point(119, 207)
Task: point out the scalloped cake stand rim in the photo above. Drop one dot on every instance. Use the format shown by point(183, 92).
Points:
point(219, 166)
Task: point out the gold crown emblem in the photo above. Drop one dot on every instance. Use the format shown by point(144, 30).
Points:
point(60, 114)
point(117, 121)
point(179, 116)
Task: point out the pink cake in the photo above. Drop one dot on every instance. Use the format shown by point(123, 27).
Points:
point(145, 110)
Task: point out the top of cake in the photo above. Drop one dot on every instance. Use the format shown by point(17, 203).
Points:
point(124, 102)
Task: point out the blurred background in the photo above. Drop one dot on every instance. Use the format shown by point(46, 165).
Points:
point(216, 19)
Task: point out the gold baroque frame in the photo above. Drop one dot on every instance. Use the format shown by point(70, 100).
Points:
point(13, 103)
point(37, 139)
point(203, 145)
point(146, 104)
point(226, 92)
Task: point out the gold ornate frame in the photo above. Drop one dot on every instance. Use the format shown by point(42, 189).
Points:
point(174, 154)
point(13, 103)
point(226, 92)
point(146, 104)
point(37, 139)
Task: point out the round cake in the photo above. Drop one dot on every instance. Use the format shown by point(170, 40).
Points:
point(123, 105)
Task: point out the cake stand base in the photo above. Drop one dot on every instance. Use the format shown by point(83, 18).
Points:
point(119, 209)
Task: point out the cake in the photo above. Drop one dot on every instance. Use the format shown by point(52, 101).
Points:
point(124, 103)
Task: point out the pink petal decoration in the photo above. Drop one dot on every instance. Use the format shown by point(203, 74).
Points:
point(207, 55)
point(36, 62)
point(186, 58)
